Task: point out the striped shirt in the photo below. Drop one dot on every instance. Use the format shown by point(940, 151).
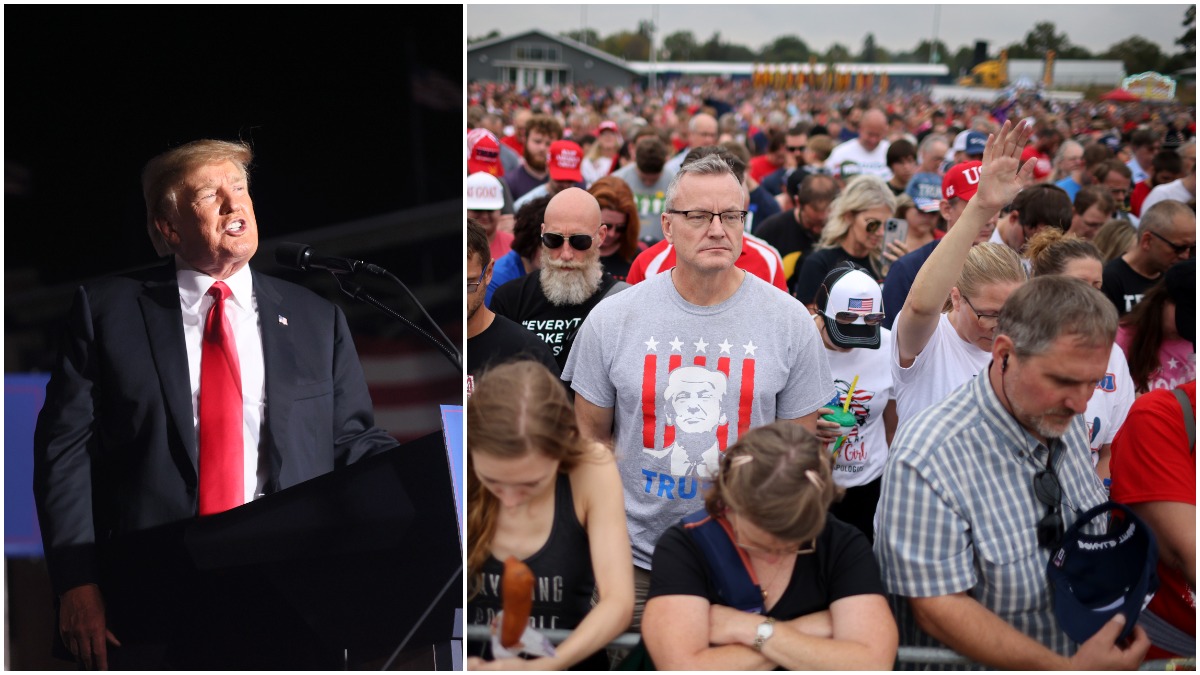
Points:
point(958, 513)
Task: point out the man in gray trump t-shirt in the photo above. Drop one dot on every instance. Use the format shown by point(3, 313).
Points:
point(676, 368)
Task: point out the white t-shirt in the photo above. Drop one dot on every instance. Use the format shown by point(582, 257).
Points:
point(850, 159)
point(945, 364)
point(1173, 190)
point(861, 457)
point(595, 169)
point(1110, 403)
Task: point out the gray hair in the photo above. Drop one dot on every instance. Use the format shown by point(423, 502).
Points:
point(1046, 308)
point(1159, 216)
point(708, 165)
point(1191, 143)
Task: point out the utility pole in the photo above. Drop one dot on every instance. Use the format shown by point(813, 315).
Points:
point(653, 51)
point(933, 50)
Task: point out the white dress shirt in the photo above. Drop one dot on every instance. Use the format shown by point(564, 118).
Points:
point(242, 311)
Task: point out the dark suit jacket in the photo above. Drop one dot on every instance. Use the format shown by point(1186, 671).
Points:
point(115, 447)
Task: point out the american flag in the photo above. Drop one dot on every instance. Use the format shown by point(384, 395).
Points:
point(862, 305)
point(408, 381)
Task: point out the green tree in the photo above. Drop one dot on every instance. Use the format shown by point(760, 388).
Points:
point(869, 54)
point(735, 52)
point(1043, 37)
point(925, 47)
point(681, 46)
point(1188, 39)
point(786, 49)
point(588, 37)
point(837, 53)
point(961, 63)
point(493, 34)
point(627, 45)
point(1187, 57)
point(1138, 54)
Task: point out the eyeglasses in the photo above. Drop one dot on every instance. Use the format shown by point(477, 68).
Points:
point(797, 148)
point(1179, 249)
point(697, 218)
point(872, 319)
point(873, 225)
point(579, 242)
point(993, 319)
point(804, 548)
point(618, 229)
point(473, 286)
point(1048, 492)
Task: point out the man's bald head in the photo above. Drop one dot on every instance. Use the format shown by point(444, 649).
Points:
point(572, 211)
point(702, 130)
point(872, 129)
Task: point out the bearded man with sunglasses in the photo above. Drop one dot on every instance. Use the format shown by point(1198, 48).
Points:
point(979, 488)
point(680, 366)
point(553, 300)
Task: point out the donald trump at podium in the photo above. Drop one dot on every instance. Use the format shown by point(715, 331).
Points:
point(179, 392)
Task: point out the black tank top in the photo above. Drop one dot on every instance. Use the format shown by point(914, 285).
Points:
point(562, 568)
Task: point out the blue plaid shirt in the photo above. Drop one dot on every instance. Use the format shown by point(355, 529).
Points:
point(958, 512)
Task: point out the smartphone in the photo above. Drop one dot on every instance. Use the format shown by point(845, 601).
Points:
point(895, 229)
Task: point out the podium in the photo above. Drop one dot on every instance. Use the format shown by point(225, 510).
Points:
point(363, 556)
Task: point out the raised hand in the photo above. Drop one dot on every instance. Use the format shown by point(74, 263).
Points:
point(1002, 176)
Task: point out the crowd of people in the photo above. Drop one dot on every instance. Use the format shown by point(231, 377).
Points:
point(824, 374)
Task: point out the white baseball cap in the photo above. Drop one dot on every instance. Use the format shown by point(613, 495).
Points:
point(484, 192)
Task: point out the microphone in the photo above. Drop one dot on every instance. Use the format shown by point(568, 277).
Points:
point(302, 257)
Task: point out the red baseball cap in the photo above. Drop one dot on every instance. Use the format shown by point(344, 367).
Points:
point(607, 125)
point(1042, 167)
point(564, 161)
point(483, 153)
point(961, 180)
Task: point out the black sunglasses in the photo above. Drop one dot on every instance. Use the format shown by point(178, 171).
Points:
point(1178, 248)
point(1048, 492)
point(796, 148)
point(871, 319)
point(579, 242)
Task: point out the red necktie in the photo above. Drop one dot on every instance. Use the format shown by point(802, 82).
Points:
point(221, 447)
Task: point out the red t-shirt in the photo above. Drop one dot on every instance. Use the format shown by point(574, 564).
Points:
point(761, 167)
point(1151, 462)
point(512, 142)
point(758, 258)
point(1139, 195)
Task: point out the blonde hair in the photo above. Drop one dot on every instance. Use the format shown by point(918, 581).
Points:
point(779, 477)
point(988, 263)
point(1050, 250)
point(862, 192)
point(1114, 238)
point(162, 176)
point(515, 409)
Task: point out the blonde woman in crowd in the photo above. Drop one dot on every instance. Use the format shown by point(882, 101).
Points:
point(942, 337)
point(853, 232)
point(1114, 238)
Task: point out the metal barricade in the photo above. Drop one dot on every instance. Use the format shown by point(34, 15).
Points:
point(929, 656)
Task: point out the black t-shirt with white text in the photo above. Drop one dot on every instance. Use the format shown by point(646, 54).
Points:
point(1124, 286)
point(523, 301)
